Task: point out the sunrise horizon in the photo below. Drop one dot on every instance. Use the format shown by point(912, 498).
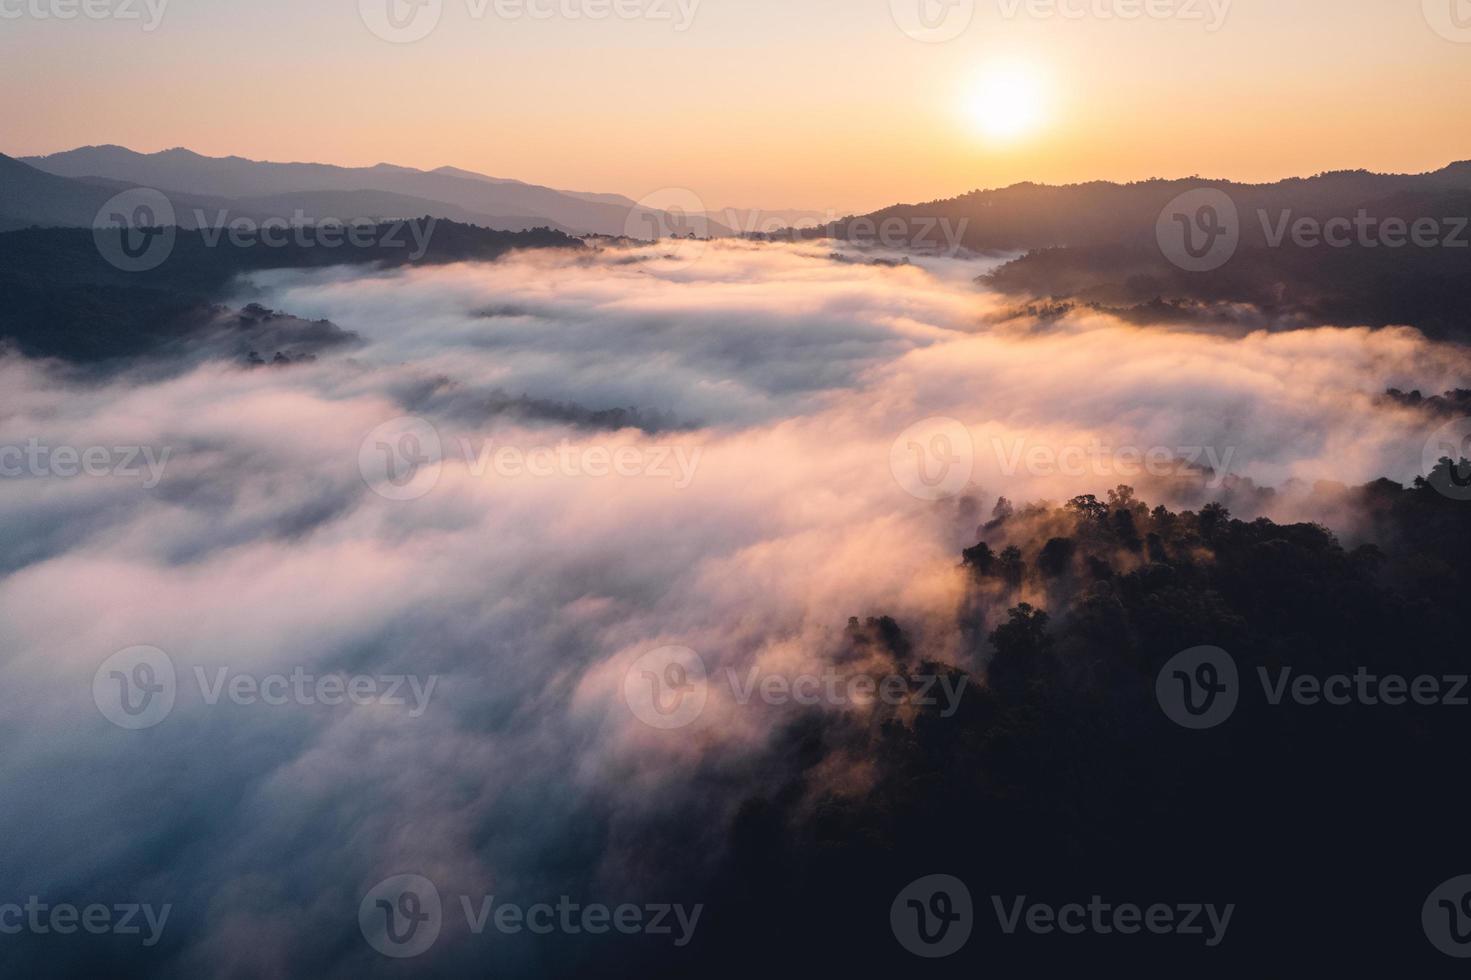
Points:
point(635, 193)
point(1162, 93)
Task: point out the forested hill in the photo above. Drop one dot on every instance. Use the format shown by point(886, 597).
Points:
point(1349, 248)
point(68, 293)
point(1058, 775)
point(1031, 216)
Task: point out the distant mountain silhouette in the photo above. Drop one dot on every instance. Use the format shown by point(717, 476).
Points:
point(449, 193)
point(1030, 216)
point(618, 199)
point(1096, 245)
point(31, 197)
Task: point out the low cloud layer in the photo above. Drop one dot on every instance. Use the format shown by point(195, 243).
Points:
point(762, 500)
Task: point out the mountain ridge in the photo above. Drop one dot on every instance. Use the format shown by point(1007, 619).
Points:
point(184, 171)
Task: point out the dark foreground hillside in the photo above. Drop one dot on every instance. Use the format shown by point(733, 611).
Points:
point(1061, 777)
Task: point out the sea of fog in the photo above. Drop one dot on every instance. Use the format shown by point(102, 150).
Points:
point(531, 474)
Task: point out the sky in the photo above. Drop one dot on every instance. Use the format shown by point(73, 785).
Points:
point(820, 105)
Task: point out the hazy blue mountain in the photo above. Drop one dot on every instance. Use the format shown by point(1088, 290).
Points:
point(28, 196)
point(618, 199)
point(189, 173)
point(32, 197)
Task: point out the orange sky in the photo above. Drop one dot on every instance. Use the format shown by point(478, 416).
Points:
point(819, 104)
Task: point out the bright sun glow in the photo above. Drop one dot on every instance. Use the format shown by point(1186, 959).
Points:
point(1007, 103)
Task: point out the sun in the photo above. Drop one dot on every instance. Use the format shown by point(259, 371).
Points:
point(1007, 102)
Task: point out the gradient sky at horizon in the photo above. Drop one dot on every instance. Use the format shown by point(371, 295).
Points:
point(823, 104)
